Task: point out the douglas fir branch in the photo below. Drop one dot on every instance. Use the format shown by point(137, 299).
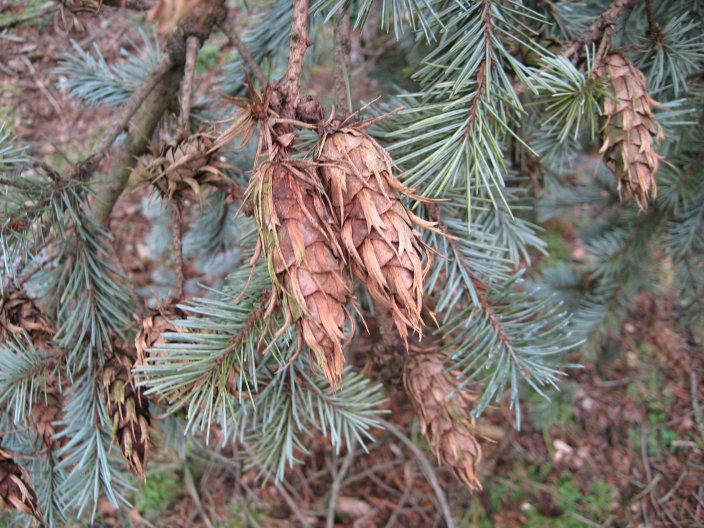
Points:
point(248, 265)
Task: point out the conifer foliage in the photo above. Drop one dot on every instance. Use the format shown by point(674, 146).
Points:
point(315, 218)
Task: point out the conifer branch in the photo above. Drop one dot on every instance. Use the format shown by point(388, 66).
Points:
point(166, 77)
point(290, 85)
point(176, 244)
point(109, 187)
point(228, 28)
point(192, 45)
point(124, 116)
point(341, 76)
point(480, 87)
point(604, 22)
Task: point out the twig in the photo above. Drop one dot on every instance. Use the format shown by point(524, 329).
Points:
point(287, 498)
point(136, 5)
point(42, 88)
point(123, 118)
point(341, 75)
point(596, 29)
point(228, 28)
point(649, 476)
point(192, 45)
point(177, 248)
point(696, 408)
point(191, 487)
point(109, 187)
point(337, 485)
point(399, 506)
point(45, 10)
point(298, 44)
point(427, 469)
point(654, 31)
point(16, 184)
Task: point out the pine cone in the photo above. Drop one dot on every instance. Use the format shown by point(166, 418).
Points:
point(629, 130)
point(46, 411)
point(128, 411)
point(153, 327)
point(376, 228)
point(16, 492)
point(444, 420)
point(151, 334)
point(305, 261)
point(18, 312)
point(180, 169)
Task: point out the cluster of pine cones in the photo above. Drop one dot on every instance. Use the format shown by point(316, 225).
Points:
point(323, 223)
point(125, 405)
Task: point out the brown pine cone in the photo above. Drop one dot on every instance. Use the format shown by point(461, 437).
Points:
point(305, 261)
point(376, 228)
point(127, 409)
point(444, 420)
point(46, 411)
point(180, 170)
point(630, 130)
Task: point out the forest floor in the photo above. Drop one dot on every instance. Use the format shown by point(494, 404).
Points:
point(621, 444)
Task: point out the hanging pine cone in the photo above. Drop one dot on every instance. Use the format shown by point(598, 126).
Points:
point(127, 409)
point(304, 258)
point(630, 130)
point(47, 410)
point(16, 492)
point(153, 328)
point(444, 420)
point(180, 170)
point(151, 334)
point(17, 313)
point(376, 228)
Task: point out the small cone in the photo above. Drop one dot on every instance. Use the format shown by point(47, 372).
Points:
point(376, 228)
point(46, 412)
point(304, 258)
point(153, 328)
point(630, 130)
point(128, 411)
point(16, 492)
point(444, 420)
point(17, 313)
point(180, 170)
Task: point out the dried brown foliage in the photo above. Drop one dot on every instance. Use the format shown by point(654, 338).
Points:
point(128, 410)
point(305, 261)
point(444, 420)
point(16, 491)
point(376, 229)
point(630, 130)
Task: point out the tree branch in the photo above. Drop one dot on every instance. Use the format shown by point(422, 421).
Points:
point(227, 26)
point(426, 467)
point(290, 85)
point(176, 245)
point(341, 77)
point(192, 46)
point(488, 22)
point(109, 187)
point(127, 112)
point(595, 31)
point(148, 103)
